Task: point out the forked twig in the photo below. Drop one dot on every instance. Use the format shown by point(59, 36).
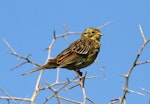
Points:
point(122, 99)
point(37, 88)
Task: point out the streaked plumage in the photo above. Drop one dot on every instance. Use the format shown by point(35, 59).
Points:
point(79, 54)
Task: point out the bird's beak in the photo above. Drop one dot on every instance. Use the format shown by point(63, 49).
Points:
point(101, 34)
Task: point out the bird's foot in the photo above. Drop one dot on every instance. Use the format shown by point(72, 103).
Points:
point(82, 78)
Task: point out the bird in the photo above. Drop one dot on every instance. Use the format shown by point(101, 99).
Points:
point(78, 55)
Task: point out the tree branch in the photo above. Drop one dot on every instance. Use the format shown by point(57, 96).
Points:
point(122, 99)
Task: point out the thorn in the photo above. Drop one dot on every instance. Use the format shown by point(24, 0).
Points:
point(54, 32)
point(65, 28)
point(142, 33)
point(104, 25)
point(28, 55)
point(123, 75)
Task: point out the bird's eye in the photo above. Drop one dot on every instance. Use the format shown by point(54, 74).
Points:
point(92, 32)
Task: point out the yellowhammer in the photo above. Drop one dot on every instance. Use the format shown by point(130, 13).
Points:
point(79, 54)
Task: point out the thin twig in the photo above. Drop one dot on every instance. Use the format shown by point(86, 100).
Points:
point(50, 86)
point(8, 96)
point(142, 33)
point(69, 88)
point(17, 66)
point(57, 76)
point(8, 45)
point(101, 68)
point(145, 62)
point(69, 100)
point(36, 90)
point(14, 98)
point(147, 91)
point(104, 25)
point(134, 64)
point(138, 93)
point(47, 99)
point(26, 58)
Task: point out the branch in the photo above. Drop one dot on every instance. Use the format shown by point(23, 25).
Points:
point(142, 33)
point(134, 64)
point(8, 97)
point(104, 25)
point(26, 58)
point(145, 62)
point(14, 98)
point(51, 87)
point(147, 91)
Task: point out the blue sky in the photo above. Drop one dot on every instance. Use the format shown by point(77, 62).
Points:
point(28, 26)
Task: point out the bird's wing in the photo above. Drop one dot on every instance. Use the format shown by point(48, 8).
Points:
point(82, 46)
point(74, 53)
point(66, 57)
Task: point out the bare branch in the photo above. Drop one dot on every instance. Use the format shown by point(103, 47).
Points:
point(69, 88)
point(52, 86)
point(134, 64)
point(142, 33)
point(8, 96)
point(67, 40)
point(101, 68)
point(69, 100)
point(14, 98)
point(65, 28)
point(26, 58)
point(147, 91)
point(145, 62)
point(8, 45)
point(104, 25)
point(57, 76)
point(131, 69)
point(50, 48)
point(138, 93)
point(36, 90)
point(17, 66)
point(47, 99)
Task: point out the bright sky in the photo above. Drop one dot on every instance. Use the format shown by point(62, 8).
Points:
point(28, 26)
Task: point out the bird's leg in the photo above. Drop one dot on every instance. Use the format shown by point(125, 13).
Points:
point(79, 73)
point(82, 78)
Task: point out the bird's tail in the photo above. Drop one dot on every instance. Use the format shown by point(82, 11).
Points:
point(34, 70)
point(50, 65)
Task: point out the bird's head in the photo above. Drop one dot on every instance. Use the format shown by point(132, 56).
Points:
point(92, 33)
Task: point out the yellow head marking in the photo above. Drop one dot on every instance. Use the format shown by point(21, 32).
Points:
point(92, 33)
